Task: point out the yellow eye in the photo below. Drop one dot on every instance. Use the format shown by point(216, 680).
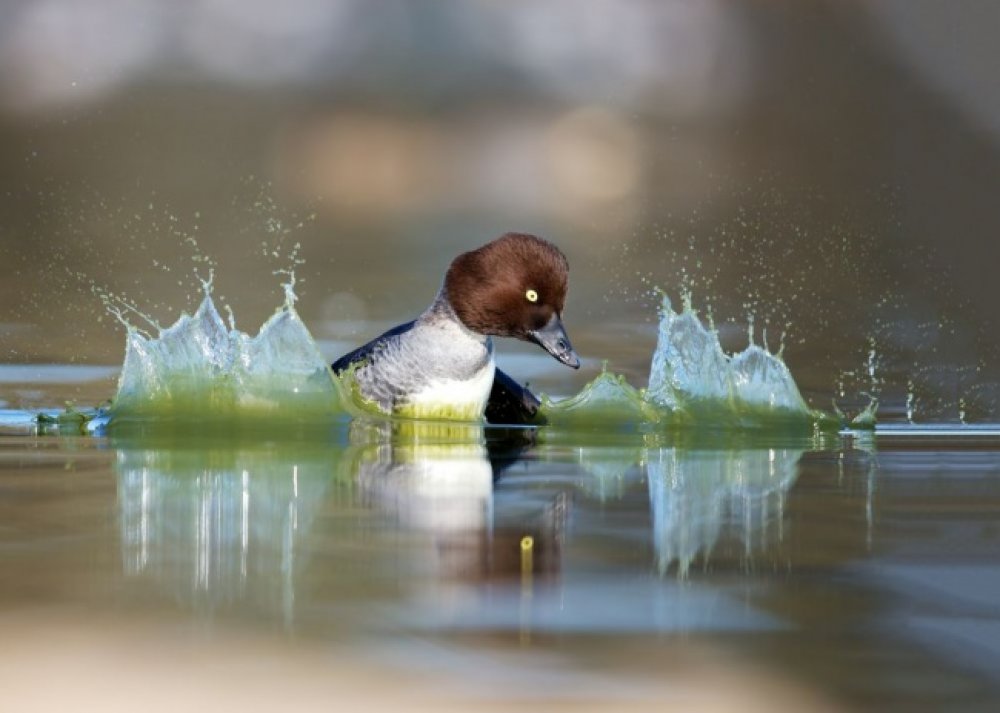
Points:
point(531, 295)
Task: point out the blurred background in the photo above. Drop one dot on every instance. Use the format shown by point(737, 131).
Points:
point(826, 168)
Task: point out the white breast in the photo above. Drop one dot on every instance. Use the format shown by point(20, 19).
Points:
point(459, 399)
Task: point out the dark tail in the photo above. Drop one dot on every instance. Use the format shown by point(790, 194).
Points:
point(511, 403)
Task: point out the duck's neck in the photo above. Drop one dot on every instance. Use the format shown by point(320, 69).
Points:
point(442, 314)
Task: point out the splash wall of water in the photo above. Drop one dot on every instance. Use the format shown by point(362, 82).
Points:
point(689, 368)
point(693, 381)
point(199, 367)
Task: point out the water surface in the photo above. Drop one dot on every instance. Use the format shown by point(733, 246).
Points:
point(511, 565)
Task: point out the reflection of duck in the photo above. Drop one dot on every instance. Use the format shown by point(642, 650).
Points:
point(433, 476)
point(694, 495)
point(438, 478)
point(441, 364)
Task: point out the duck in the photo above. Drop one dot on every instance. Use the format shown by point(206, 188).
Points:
point(441, 365)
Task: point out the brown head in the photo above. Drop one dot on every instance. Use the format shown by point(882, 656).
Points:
point(515, 287)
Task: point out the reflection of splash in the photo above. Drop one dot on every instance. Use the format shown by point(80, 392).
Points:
point(609, 468)
point(696, 495)
point(216, 526)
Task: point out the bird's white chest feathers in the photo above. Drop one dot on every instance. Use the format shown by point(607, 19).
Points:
point(444, 398)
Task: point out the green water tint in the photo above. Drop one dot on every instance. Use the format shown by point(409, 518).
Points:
point(200, 370)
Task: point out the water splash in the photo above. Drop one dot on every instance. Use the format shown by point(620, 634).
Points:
point(859, 391)
point(607, 399)
point(690, 370)
point(693, 381)
point(868, 416)
point(203, 369)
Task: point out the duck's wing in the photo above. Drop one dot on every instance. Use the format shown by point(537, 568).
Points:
point(511, 403)
point(362, 353)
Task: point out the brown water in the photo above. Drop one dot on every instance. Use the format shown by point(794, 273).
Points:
point(500, 568)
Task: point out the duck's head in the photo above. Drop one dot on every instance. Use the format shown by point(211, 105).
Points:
point(514, 286)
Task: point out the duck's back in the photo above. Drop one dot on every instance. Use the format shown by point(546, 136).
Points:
point(424, 369)
point(418, 376)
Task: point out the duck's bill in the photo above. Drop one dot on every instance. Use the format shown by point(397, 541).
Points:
point(552, 338)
